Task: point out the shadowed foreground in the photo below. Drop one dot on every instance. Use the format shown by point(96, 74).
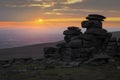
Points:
point(36, 71)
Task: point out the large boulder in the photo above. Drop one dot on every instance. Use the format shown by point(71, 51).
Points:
point(98, 33)
point(89, 41)
point(72, 32)
point(75, 44)
point(66, 54)
point(91, 24)
point(111, 48)
point(96, 17)
point(73, 28)
point(51, 52)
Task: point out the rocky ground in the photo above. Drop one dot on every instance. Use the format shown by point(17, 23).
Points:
point(38, 70)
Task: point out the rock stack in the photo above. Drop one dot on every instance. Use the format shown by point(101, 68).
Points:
point(92, 45)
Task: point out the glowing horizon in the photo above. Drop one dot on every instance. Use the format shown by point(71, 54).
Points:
point(110, 21)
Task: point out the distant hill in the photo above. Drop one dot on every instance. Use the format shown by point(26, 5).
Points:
point(34, 51)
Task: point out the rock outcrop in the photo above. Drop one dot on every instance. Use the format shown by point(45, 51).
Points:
point(95, 45)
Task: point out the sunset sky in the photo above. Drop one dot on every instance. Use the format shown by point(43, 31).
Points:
point(56, 12)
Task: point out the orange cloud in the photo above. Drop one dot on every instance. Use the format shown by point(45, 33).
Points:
point(115, 19)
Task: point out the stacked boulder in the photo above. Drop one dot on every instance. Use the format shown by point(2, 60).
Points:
point(71, 33)
point(84, 47)
point(51, 53)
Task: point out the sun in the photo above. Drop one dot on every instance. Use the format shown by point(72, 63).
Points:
point(40, 20)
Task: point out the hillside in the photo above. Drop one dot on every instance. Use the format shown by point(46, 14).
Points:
point(34, 51)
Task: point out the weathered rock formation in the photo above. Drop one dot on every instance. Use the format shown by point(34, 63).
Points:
point(94, 45)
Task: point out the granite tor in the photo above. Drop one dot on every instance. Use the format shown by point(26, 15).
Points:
point(95, 45)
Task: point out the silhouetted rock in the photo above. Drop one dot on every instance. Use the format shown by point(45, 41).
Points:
point(73, 28)
point(71, 33)
point(111, 48)
point(94, 45)
point(96, 17)
point(51, 52)
point(75, 43)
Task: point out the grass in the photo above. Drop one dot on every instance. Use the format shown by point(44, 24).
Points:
point(37, 71)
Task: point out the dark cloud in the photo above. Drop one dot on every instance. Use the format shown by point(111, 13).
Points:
point(97, 4)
